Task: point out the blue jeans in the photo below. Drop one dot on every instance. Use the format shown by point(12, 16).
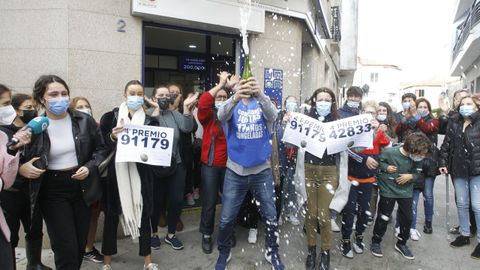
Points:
point(235, 188)
point(212, 182)
point(467, 189)
point(427, 201)
point(359, 196)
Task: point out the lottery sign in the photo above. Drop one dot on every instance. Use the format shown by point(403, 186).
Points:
point(145, 144)
point(335, 137)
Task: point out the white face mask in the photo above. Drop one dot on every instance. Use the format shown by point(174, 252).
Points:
point(85, 110)
point(381, 117)
point(7, 115)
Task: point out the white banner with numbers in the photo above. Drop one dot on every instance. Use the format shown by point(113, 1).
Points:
point(145, 144)
point(335, 137)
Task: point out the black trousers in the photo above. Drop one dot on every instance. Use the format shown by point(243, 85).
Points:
point(109, 241)
point(67, 218)
point(384, 214)
point(6, 257)
point(168, 190)
point(16, 207)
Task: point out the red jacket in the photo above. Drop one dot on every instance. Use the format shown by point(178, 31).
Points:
point(212, 129)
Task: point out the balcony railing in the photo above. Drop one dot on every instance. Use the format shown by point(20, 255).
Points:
point(473, 18)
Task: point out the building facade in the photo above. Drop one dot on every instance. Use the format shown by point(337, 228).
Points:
point(466, 44)
point(296, 46)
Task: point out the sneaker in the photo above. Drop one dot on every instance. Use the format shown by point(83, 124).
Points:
point(455, 230)
point(174, 242)
point(460, 241)
point(155, 242)
point(196, 194)
point(274, 259)
point(358, 245)
point(405, 251)
point(252, 236)
point(370, 220)
point(151, 266)
point(293, 220)
point(222, 261)
point(335, 227)
point(397, 232)
point(415, 235)
point(476, 252)
point(376, 250)
point(207, 245)
point(346, 249)
point(190, 200)
point(107, 267)
point(93, 256)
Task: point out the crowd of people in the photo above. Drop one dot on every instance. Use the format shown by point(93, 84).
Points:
point(227, 146)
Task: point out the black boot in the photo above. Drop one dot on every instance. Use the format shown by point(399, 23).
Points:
point(34, 255)
point(311, 258)
point(324, 260)
point(427, 228)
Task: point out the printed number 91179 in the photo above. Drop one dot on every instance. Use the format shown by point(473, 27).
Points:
point(164, 143)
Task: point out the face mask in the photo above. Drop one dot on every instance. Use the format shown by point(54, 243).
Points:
point(381, 117)
point(28, 115)
point(85, 110)
point(466, 110)
point(173, 97)
point(291, 106)
point(7, 115)
point(134, 102)
point(405, 105)
point(353, 104)
point(219, 104)
point(58, 106)
point(416, 158)
point(323, 107)
point(423, 113)
point(163, 103)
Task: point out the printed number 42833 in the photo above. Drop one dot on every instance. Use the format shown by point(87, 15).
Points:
point(340, 133)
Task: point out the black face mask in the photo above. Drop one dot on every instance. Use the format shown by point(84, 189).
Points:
point(163, 103)
point(28, 115)
point(173, 97)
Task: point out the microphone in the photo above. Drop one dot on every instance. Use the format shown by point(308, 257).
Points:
point(37, 125)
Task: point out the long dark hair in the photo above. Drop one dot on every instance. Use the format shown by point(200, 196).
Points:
point(390, 121)
point(313, 99)
point(5, 89)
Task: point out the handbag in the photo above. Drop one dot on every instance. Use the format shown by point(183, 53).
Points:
point(165, 171)
point(103, 167)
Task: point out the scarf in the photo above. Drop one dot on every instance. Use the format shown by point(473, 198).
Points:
point(128, 180)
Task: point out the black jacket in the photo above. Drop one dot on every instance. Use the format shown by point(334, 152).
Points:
point(111, 197)
point(460, 151)
point(90, 151)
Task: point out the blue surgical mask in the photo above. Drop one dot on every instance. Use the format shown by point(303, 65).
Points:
point(466, 110)
point(423, 113)
point(58, 106)
point(323, 107)
point(291, 106)
point(381, 117)
point(353, 104)
point(416, 158)
point(134, 102)
point(405, 105)
point(219, 104)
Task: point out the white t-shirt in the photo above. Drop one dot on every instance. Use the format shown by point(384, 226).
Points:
point(62, 154)
point(199, 132)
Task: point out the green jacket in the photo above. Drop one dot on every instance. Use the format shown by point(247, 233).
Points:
point(386, 181)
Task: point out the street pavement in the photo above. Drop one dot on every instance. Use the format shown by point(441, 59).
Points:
point(431, 252)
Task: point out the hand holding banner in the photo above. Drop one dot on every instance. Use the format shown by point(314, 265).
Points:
point(145, 144)
point(335, 137)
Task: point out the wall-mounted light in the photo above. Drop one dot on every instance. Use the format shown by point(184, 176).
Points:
point(192, 46)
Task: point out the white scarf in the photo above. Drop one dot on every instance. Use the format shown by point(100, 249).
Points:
point(128, 180)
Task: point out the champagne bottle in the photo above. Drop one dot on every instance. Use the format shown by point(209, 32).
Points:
point(247, 72)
